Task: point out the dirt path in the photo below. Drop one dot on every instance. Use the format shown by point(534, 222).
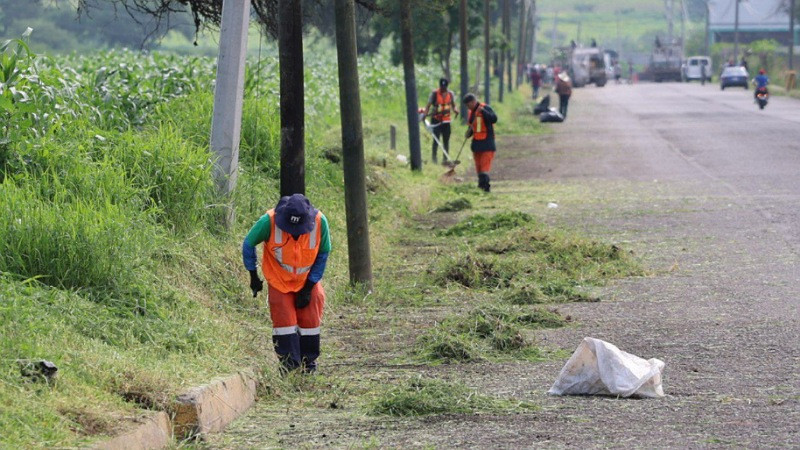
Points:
point(676, 173)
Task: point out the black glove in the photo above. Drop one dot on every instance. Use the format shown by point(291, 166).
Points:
point(256, 285)
point(303, 297)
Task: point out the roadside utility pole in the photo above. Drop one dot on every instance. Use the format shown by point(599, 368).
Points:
point(411, 85)
point(290, 57)
point(226, 123)
point(487, 83)
point(355, 191)
point(462, 16)
point(791, 32)
point(708, 22)
point(736, 35)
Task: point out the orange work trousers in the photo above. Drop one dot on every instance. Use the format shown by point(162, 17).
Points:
point(287, 319)
point(483, 161)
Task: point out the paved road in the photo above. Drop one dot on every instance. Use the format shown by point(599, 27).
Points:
point(705, 188)
point(701, 180)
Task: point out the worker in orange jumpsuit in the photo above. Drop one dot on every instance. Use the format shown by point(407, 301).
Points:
point(481, 120)
point(297, 242)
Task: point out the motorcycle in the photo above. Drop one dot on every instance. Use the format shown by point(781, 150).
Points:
point(762, 97)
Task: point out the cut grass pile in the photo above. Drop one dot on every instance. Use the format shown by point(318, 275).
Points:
point(487, 332)
point(424, 396)
point(459, 204)
point(532, 262)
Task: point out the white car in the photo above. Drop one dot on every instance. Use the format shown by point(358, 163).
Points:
point(692, 69)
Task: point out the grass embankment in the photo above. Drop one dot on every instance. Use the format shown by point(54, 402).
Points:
point(112, 265)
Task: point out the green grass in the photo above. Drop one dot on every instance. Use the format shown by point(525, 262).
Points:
point(424, 396)
point(487, 332)
point(112, 264)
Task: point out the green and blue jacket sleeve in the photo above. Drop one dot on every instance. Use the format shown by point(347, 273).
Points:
point(258, 234)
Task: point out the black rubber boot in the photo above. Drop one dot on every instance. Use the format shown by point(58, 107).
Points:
point(487, 186)
point(287, 346)
point(483, 181)
point(309, 351)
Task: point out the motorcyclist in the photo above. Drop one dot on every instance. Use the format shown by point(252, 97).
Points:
point(761, 81)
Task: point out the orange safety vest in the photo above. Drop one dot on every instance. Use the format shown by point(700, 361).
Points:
point(479, 129)
point(443, 106)
point(287, 261)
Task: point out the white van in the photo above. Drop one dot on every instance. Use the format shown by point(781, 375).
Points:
point(692, 69)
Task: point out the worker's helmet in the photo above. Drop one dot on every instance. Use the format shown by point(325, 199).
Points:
point(762, 71)
point(443, 82)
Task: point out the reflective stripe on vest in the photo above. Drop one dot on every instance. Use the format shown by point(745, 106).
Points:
point(443, 105)
point(479, 129)
point(288, 261)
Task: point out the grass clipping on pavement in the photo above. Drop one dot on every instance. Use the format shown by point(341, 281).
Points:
point(424, 396)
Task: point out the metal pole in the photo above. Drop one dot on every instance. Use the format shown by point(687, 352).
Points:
point(736, 35)
point(226, 123)
point(355, 191)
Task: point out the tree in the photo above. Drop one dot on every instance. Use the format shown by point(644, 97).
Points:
point(523, 14)
point(486, 44)
point(436, 25)
point(464, 44)
point(501, 88)
point(411, 85)
point(292, 104)
point(355, 192)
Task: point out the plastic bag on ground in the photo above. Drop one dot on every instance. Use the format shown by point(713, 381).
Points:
point(551, 116)
point(542, 106)
point(600, 368)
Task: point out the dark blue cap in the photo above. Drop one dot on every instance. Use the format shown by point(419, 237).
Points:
point(295, 214)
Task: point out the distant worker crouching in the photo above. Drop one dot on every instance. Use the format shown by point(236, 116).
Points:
point(481, 120)
point(295, 252)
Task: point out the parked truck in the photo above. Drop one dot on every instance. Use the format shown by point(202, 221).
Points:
point(666, 62)
point(583, 65)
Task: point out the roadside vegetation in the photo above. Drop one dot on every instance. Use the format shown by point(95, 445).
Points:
point(113, 267)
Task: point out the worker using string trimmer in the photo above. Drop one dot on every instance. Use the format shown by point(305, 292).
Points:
point(295, 252)
point(481, 120)
point(443, 103)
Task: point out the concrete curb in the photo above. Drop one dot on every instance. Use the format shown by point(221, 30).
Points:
point(204, 409)
point(154, 432)
point(210, 408)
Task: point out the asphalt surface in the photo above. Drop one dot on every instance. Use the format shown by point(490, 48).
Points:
point(704, 188)
point(703, 183)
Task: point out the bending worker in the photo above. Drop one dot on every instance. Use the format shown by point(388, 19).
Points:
point(443, 103)
point(295, 252)
point(481, 120)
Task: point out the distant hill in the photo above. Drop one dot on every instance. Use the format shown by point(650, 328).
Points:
point(626, 25)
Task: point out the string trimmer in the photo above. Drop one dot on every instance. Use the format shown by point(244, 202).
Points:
point(453, 163)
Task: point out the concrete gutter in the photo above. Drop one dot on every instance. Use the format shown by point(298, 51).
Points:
point(154, 432)
point(210, 408)
point(204, 409)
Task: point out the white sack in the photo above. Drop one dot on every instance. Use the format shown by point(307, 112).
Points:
point(600, 368)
